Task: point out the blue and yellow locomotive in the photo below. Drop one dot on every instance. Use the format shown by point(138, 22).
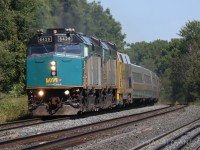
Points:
point(69, 73)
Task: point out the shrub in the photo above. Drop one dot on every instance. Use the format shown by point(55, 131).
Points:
point(13, 109)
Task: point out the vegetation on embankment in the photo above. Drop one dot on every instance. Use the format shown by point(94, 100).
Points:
point(196, 103)
point(13, 109)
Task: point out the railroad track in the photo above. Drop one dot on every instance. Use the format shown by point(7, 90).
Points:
point(19, 124)
point(37, 121)
point(179, 138)
point(28, 122)
point(81, 134)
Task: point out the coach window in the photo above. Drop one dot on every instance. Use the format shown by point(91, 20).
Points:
point(147, 79)
point(137, 77)
point(154, 81)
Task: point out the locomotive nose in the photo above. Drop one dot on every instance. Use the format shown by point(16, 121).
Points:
point(48, 71)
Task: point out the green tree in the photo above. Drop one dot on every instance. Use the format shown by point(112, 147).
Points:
point(17, 24)
point(148, 55)
point(88, 18)
point(186, 81)
point(5, 66)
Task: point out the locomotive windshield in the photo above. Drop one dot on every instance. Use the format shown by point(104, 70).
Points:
point(40, 49)
point(69, 49)
point(61, 48)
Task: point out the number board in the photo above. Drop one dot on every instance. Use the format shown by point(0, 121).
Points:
point(44, 39)
point(64, 39)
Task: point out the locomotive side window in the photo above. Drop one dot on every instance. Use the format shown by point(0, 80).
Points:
point(154, 81)
point(105, 46)
point(86, 39)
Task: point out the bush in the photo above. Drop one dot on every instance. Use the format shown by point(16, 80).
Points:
point(13, 109)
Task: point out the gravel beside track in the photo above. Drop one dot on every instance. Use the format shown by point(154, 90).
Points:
point(64, 124)
point(134, 135)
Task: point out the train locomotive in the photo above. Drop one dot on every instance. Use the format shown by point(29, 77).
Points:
point(68, 73)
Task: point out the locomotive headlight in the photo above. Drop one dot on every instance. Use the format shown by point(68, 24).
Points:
point(53, 68)
point(53, 63)
point(67, 92)
point(41, 93)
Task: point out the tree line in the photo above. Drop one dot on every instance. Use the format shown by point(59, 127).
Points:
point(176, 61)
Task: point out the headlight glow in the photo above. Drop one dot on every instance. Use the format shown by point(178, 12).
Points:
point(53, 68)
point(67, 92)
point(41, 93)
point(53, 63)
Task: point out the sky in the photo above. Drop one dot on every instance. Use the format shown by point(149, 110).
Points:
point(149, 20)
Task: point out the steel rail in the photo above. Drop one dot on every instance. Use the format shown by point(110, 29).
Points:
point(26, 123)
point(160, 146)
point(82, 137)
point(37, 121)
point(18, 124)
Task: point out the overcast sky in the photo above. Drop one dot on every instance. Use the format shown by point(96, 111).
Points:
point(149, 20)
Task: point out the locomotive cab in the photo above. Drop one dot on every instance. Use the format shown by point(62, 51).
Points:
point(55, 71)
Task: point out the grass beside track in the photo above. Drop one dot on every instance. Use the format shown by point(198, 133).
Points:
point(13, 109)
point(196, 102)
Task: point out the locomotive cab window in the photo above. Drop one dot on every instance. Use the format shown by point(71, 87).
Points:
point(40, 49)
point(74, 49)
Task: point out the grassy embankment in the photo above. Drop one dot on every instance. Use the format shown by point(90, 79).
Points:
point(13, 109)
point(17, 108)
point(197, 102)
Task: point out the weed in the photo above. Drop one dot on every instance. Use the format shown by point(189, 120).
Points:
point(13, 109)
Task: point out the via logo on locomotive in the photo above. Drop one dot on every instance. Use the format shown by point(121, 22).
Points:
point(53, 80)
